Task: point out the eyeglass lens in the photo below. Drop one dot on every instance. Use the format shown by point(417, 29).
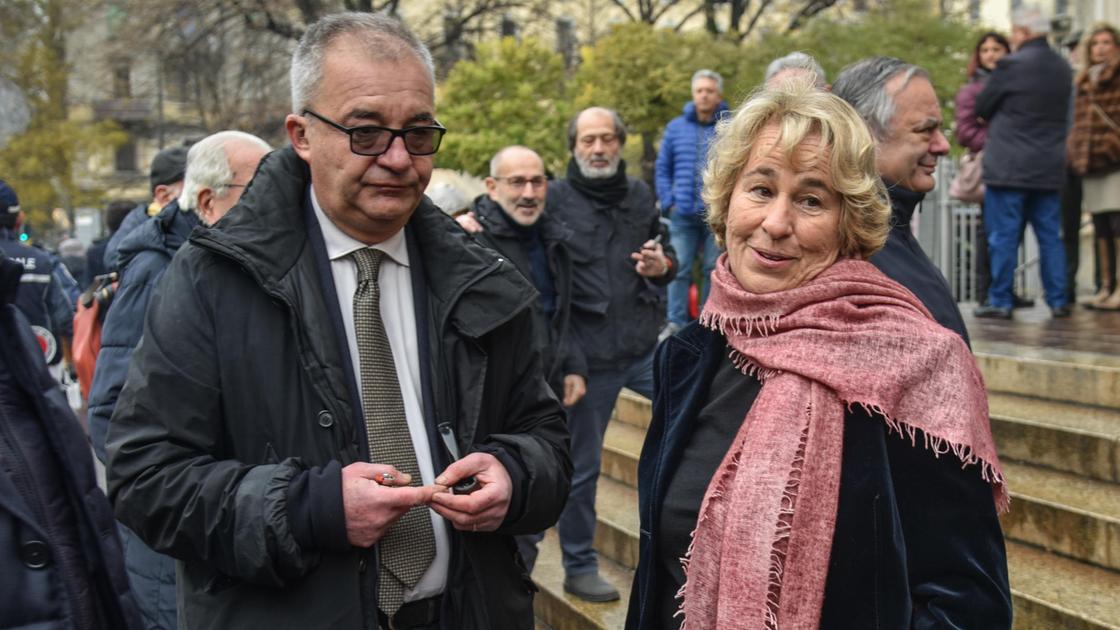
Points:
point(376, 140)
point(519, 182)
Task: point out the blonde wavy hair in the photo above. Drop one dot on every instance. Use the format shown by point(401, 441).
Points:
point(802, 111)
point(1087, 40)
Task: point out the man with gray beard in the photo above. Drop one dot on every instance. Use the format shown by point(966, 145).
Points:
point(621, 263)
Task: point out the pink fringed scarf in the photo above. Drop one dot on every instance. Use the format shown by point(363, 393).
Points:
point(851, 336)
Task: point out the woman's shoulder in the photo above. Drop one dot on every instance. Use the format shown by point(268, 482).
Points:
point(970, 89)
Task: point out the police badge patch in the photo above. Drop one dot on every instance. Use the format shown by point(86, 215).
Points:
point(47, 343)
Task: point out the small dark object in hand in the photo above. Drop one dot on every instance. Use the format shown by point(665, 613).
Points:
point(464, 486)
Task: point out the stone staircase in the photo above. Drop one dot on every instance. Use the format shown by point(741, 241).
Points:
point(1056, 419)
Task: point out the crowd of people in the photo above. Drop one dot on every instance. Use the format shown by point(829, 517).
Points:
point(1067, 164)
point(321, 401)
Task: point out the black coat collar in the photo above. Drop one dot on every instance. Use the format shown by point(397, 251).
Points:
point(471, 288)
point(903, 203)
point(491, 215)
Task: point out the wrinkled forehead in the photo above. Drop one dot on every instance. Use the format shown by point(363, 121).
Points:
point(707, 83)
point(793, 141)
point(384, 52)
point(594, 123)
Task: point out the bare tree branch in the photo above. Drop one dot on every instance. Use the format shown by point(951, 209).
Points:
point(688, 16)
point(763, 5)
point(811, 8)
point(259, 17)
point(665, 6)
point(625, 9)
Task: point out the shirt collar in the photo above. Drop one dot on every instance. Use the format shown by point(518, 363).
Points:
point(340, 245)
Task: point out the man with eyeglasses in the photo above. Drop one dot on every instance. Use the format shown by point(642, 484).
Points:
point(217, 170)
point(314, 364)
point(622, 262)
point(512, 219)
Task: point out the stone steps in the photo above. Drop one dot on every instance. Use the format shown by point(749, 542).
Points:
point(1063, 436)
point(1064, 513)
point(622, 445)
point(560, 610)
point(1049, 591)
point(1082, 378)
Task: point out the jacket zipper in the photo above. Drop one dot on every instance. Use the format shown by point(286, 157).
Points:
point(447, 395)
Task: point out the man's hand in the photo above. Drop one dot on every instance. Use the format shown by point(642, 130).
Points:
point(575, 386)
point(651, 260)
point(469, 222)
point(482, 510)
point(371, 508)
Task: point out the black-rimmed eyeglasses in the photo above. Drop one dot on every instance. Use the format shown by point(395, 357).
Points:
point(519, 182)
point(372, 140)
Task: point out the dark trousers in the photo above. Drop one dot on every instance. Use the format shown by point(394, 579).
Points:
point(983, 261)
point(1106, 230)
point(1071, 231)
point(587, 423)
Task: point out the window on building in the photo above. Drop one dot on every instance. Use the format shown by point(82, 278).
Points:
point(125, 158)
point(122, 83)
point(974, 10)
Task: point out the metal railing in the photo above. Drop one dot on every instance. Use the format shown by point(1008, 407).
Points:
point(946, 229)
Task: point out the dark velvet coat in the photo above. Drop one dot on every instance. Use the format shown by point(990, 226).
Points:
point(917, 541)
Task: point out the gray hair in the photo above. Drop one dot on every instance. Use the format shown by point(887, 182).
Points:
point(208, 166)
point(797, 60)
point(385, 38)
point(864, 85)
point(1031, 18)
point(707, 74)
point(496, 161)
point(619, 126)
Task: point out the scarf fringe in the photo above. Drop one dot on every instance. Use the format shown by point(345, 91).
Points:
point(747, 325)
point(716, 494)
point(779, 548)
point(940, 446)
point(750, 368)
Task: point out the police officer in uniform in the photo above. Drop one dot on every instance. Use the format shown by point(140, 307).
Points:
point(41, 297)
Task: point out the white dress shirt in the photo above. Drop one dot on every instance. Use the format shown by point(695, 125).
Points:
point(399, 317)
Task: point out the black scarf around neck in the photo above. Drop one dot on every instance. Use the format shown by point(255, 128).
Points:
point(608, 191)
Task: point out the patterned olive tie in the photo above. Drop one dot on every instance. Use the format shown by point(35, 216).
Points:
point(409, 547)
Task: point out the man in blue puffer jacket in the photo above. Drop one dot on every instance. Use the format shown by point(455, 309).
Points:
point(680, 172)
point(218, 168)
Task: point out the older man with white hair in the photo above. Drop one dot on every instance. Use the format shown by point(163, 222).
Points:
point(1026, 104)
point(796, 65)
point(219, 168)
point(897, 101)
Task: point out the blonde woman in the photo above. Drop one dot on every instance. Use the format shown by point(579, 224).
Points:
point(819, 453)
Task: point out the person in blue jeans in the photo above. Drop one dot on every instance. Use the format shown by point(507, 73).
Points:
point(1006, 211)
point(1026, 103)
point(679, 175)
